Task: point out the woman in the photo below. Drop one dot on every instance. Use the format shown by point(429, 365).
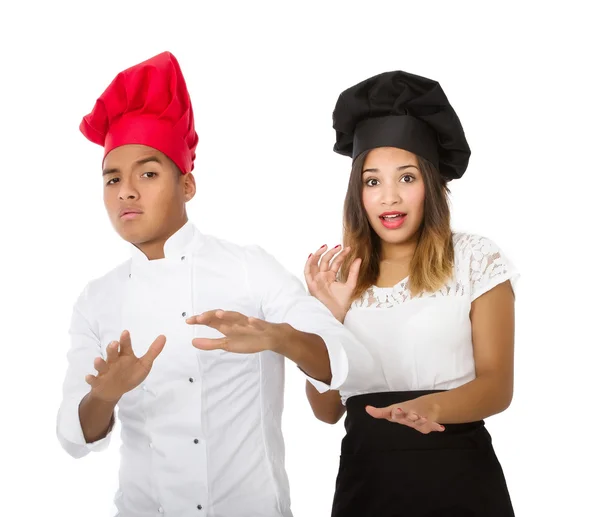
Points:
point(435, 308)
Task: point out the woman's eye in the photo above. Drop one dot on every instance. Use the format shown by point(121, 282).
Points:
point(371, 182)
point(410, 178)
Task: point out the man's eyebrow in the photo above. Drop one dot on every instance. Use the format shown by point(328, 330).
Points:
point(148, 160)
point(142, 161)
point(114, 170)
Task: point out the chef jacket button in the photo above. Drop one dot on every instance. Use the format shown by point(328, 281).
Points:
point(199, 507)
point(160, 509)
point(129, 275)
point(183, 258)
point(184, 314)
point(196, 440)
point(191, 379)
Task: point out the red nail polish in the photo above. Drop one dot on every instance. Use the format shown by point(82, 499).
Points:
point(310, 255)
point(337, 246)
point(323, 246)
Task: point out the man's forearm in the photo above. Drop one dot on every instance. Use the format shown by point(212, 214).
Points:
point(307, 350)
point(96, 418)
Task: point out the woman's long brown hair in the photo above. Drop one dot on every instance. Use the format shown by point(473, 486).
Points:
point(433, 261)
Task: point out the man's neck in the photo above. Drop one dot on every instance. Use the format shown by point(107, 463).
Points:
point(155, 249)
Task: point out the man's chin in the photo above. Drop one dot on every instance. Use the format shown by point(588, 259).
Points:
point(132, 233)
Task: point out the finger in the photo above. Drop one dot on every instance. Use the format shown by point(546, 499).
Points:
point(353, 273)
point(339, 260)
point(92, 380)
point(125, 340)
point(324, 265)
point(309, 275)
point(219, 325)
point(232, 317)
point(257, 323)
point(412, 417)
point(210, 344)
point(398, 415)
point(319, 253)
point(153, 351)
point(311, 267)
point(431, 427)
point(380, 412)
point(201, 319)
point(100, 365)
point(112, 352)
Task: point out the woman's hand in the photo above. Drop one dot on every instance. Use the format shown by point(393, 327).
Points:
point(321, 272)
point(418, 414)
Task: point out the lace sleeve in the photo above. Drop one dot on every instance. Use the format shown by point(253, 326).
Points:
point(488, 267)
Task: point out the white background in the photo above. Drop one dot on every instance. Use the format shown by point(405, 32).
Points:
point(264, 78)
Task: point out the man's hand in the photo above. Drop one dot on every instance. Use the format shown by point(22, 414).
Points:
point(243, 335)
point(122, 371)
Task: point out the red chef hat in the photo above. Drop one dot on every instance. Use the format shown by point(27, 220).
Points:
point(146, 104)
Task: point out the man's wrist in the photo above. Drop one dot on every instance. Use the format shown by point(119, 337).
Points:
point(98, 400)
point(282, 338)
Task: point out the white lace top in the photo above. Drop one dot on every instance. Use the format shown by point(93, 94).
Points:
point(424, 342)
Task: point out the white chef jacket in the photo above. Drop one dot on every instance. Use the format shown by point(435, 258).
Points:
point(202, 435)
point(424, 342)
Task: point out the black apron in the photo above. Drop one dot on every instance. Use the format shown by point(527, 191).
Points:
point(390, 470)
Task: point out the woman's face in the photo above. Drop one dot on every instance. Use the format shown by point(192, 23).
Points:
point(393, 194)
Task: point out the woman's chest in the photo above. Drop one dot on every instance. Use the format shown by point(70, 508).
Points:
point(427, 330)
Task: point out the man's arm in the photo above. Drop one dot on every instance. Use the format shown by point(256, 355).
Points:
point(320, 345)
point(85, 348)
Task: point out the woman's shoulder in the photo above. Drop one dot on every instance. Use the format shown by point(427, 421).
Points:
point(480, 260)
point(471, 241)
point(469, 246)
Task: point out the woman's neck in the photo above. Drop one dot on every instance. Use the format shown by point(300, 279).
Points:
point(398, 253)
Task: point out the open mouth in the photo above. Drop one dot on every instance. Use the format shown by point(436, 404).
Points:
point(392, 220)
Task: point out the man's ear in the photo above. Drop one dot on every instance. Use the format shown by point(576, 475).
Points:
point(189, 186)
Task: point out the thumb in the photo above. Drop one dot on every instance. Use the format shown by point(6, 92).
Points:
point(385, 412)
point(353, 273)
point(153, 351)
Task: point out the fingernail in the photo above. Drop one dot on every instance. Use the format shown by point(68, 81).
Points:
point(310, 255)
point(337, 246)
point(399, 410)
point(322, 246)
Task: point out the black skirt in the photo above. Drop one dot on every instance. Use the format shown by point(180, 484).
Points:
point(390, 470)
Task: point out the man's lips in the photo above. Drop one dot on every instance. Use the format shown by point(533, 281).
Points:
point(129, 213)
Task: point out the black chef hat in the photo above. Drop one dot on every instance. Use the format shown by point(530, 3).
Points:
point(398, 109)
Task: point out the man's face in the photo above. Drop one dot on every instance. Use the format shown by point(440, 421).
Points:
point(144, 193)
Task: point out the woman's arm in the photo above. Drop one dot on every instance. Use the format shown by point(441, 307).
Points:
point(493, 324)
point(327, 406)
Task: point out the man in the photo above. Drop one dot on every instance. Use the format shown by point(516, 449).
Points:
point(187, 338)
